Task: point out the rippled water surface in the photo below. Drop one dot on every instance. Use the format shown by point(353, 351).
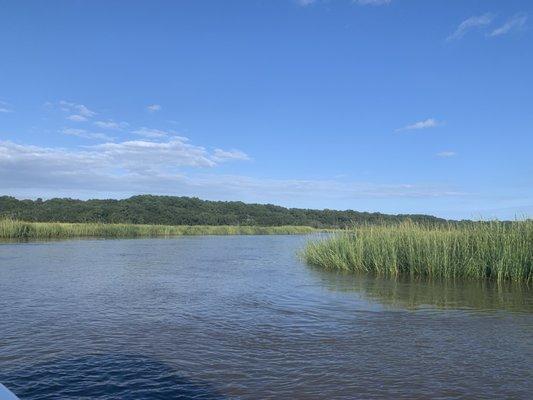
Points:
point(242, 317)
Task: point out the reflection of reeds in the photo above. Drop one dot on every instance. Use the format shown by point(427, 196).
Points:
point(11, 229)
point(418, 292)
point(494, 250)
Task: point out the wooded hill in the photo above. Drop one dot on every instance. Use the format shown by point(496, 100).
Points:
point(170, 210)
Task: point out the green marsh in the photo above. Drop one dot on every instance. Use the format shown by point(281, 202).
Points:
point(12, 229)
point(493, 250)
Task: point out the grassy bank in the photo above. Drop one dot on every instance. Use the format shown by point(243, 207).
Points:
point(10, 229)
point(494, 250)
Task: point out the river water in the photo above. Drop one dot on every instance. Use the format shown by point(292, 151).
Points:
point(241, 317)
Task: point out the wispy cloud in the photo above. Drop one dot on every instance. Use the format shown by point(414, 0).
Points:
point(77, 118)
point(77, 112)
point(469, 24)
point(142, 166)
point(226, 155)
point(152, 133)
point(5, 107)
point(153, 107)
point(516, 22)
point(76, 109)
point(446, 154)
point(424, 124)
point(133, 156)
point(144, 154)
point(305, 3)
point(82, 133)
point(372, 2)
point(113, 125)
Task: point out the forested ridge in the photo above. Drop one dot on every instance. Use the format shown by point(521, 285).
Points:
point(171, 210)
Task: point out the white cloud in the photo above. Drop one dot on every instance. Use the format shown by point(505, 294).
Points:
point(425, 124)
point(225, 155)
point(446, 154)
point(148, 167)
point(77, 118)
point(109, 162)
point(76, 109)
point(143, 154)
point(5, 107)
point(305, 3)
point(372, 2)
point(152, 133)
point(514, 23)
point(469, 24)
point(111, 125)
point(153, 107)
point(82, 133)
point(132, 155)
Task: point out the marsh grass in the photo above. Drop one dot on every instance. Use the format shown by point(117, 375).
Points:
point(493, 250)
point(12, 229)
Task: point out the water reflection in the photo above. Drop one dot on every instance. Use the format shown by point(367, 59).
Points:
point(415, 293)
point(242, 317)
point(104, 376)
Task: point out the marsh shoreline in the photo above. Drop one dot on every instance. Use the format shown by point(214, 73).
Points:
point(478, 250)
point(21, 230)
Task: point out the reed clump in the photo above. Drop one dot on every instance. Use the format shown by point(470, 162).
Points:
point(13, 229)
point(494, 250)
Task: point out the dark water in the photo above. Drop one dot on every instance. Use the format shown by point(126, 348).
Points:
point(241, 317)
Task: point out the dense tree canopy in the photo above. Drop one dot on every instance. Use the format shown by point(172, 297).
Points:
point(171, 210)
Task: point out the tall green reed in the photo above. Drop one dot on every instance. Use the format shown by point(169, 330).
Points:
point(493, 250)
point(12, 229)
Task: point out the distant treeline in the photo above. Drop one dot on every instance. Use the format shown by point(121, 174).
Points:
point(170, 210)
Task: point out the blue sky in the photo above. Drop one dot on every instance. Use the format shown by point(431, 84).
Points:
point(398, 106)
